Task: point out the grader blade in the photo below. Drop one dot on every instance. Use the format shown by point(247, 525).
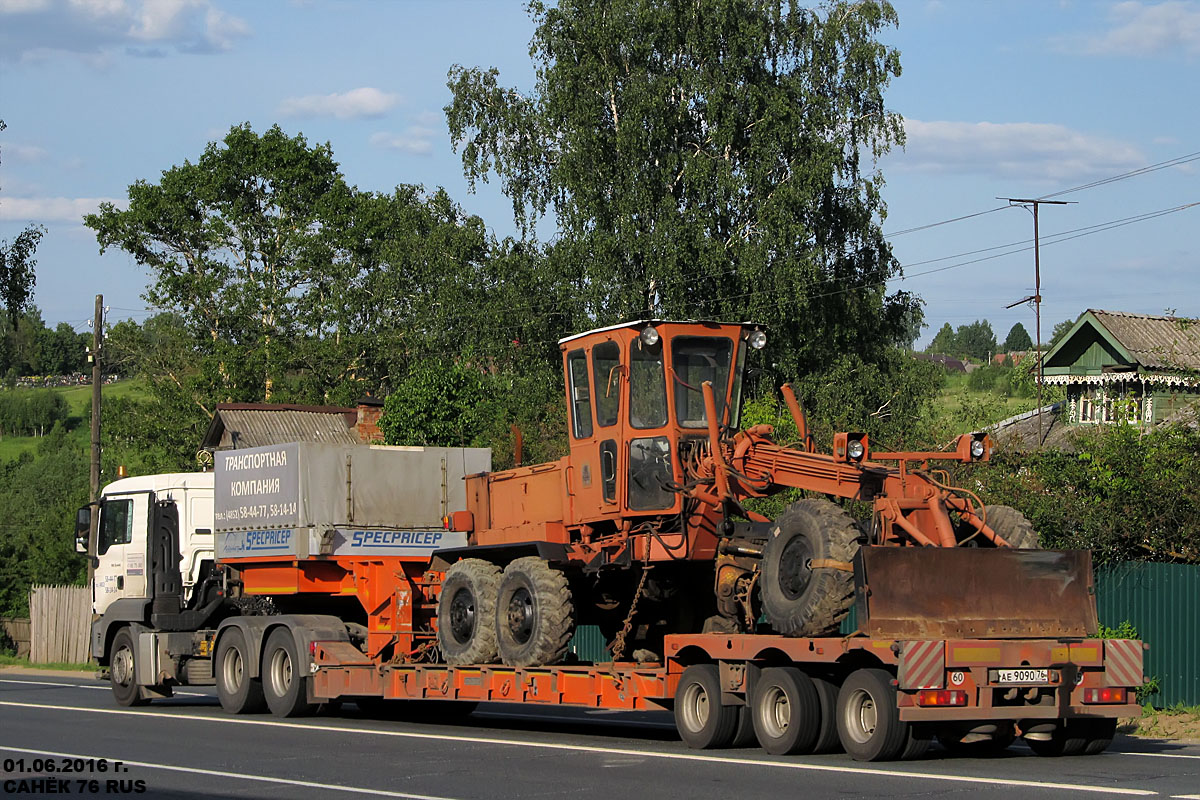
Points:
point(974, 592)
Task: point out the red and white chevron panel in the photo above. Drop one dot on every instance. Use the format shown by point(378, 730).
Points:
point(923, 665)
point(1123, 662)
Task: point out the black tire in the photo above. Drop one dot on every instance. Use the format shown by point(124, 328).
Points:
point(237, 691)
point(800, 600)
point(917, 742)
point(466, 612)
point(743, 735)
point(535, 617)
point(868, 720)
point(1069, 739)
point(703, 723)
point(1012, 526)
point(284, 677)
point(952, 742)
point(787, 711)
point(122, 670)
point(827, 738)
point(1098, 735)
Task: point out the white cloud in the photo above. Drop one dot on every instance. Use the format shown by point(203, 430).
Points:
point(415, 139)
point(1026, 150)
point(93, 28)
point(52, 209)
point(26, 153)
point(365, 101)
point(429, 119)
point(1143, 29)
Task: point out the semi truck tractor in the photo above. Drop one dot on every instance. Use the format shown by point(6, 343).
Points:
point(303, 574)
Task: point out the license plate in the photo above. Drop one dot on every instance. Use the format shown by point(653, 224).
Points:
point(1023, 676)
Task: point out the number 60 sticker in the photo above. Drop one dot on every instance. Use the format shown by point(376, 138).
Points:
point(957, 677)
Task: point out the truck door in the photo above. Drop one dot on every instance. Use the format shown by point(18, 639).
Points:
point(121, 550)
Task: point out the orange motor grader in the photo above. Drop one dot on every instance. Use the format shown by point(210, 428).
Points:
point(641, 528)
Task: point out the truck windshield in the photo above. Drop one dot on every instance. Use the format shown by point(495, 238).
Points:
point(647, 385)
point(694, 360)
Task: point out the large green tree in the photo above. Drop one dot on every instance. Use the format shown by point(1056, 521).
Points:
point(1017, 340)
point(709, 158)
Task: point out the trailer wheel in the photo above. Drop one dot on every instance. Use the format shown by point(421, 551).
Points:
point(951, 739)
point(787, 711)
point(1068, 739)
point(702, 721)
point(122, 670)
point(798, 598)
point(1011, 525)
point(868, 721)
point(237, 691)
point(827, 737)
point(534, 614)
point(1098, 736)
point(466, 614)
point(743, 734)
point(284, 678)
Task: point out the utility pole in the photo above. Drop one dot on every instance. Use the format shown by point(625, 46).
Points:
point(1037, 289)
point(97, 379)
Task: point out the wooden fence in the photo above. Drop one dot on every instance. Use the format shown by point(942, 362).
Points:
point(16, 630)
point(60, 619)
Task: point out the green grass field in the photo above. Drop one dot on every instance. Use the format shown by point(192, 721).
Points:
point(79, 402)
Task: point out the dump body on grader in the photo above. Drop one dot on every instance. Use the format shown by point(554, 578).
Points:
point(331, 579)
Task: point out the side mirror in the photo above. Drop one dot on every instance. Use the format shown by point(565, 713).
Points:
point(83, 529)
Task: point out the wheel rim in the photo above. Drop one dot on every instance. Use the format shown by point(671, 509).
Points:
point(794, 569)
point(775, 712)
point(462, 615)
point(521, 615)
point(695, 707)
point(281, 672)
point(861, 716)
point(122, 666)
point(232, 669)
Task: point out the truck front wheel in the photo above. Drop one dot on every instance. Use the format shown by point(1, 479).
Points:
point(237, 691)
point(284, 676)
point(122, 672)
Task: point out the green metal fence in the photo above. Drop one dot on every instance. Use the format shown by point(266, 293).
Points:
point(1163, 603)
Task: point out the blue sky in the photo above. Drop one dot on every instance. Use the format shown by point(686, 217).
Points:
point(1000, 99)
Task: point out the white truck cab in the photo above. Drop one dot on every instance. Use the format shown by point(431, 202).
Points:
point(123, 534)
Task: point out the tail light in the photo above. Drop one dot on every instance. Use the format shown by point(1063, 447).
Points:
point(941, 697)
point(1097, 696)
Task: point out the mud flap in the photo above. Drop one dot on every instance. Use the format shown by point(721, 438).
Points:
point(974, 592)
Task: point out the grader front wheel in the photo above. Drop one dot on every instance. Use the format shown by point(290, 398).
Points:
point(807, 586)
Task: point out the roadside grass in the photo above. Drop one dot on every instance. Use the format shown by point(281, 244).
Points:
point(1173, 722)
point(13, 661)
point(960, 409)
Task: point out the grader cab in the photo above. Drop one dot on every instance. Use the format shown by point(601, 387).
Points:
point(642, 528)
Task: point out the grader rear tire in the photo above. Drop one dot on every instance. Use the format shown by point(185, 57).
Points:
point(467, 612)
point(534, 614)
point(1013, 527)
point(801, 599)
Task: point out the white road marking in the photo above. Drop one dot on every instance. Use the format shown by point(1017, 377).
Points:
point(85, 686)
point(1185, 797)
point(1159, 755)
point(617, 751)
point(335, 787)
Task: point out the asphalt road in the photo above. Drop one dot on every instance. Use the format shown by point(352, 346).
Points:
point(188, 748)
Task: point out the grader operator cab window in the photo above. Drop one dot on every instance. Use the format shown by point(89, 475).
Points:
point(581, 401)
point(116, 524)
point(694, 360)
point(606, 377)
point(647, 385)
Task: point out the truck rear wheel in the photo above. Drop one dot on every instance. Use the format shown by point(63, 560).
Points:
point(787, 711)
point(868, 721)
point(238, 692)
point(122, 670)
point(1068, 739)
point(805, 589)
point(534, 614)
point(702, 721)
point(284, 678)
point(466, 613)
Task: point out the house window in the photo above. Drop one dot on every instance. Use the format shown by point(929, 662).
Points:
point(1102, 408)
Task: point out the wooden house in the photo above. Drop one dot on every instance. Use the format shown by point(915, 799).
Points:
point(1132, 368)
